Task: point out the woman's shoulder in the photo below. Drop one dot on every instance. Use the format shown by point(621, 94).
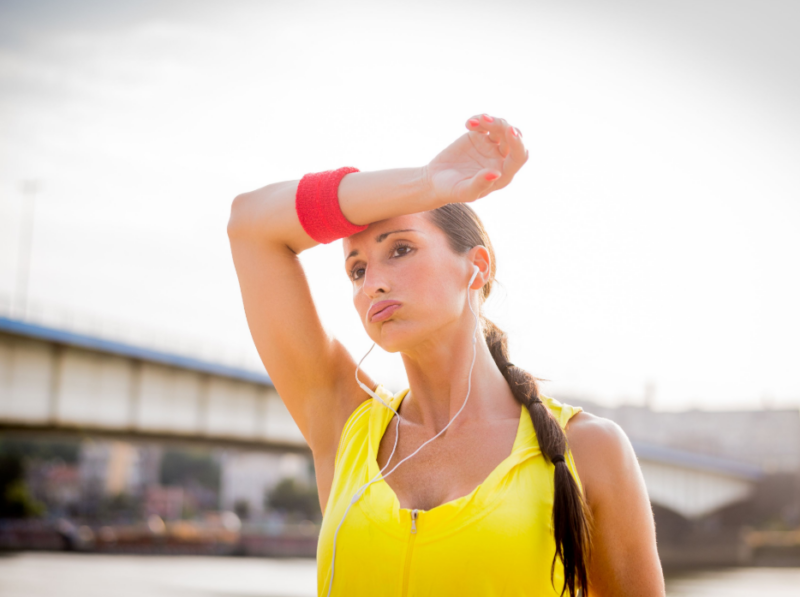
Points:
point(602, 452)
point(602, 433)
point(585, 425)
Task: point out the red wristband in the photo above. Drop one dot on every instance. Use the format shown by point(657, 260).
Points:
point(317, 206)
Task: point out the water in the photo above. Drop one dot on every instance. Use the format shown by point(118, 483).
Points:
point(74, 575)
point(737, 582)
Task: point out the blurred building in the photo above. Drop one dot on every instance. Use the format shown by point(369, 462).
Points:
point(164, 502)
point(55, 483)
point(110, 468)
point(247, 478)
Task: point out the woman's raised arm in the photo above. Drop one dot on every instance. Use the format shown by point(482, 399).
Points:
point(311, 370)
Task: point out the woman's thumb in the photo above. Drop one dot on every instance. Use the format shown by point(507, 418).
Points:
point(483, 181)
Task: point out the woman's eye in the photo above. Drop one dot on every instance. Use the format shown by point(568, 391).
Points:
point(406, 247)
point(399, 250)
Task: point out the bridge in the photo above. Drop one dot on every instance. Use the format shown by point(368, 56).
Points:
point(52, 380)
point(692, 484)
point(59, 381)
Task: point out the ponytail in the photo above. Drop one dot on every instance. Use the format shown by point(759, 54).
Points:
point(570, 514)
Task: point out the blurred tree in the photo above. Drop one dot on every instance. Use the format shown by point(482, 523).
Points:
point(15, 499)
point(41, 449)
point(296, 498)
point(179, 467)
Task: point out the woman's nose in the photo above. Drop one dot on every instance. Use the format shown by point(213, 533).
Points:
point(375, 282)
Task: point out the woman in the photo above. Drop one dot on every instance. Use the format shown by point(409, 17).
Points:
point(522, 495)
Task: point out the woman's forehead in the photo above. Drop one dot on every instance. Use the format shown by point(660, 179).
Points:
point(376, 231)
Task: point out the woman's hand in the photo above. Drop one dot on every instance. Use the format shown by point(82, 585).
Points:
point(481, 161)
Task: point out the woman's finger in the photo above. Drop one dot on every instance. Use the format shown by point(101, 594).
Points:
point(477, 124)
point(496, 127)
point(517, 155)
point(508, 140)
point(515, 159)
point(498, 132)
point(478, 127)
point(479, 185)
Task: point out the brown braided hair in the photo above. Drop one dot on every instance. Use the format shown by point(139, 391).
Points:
point(571, 516)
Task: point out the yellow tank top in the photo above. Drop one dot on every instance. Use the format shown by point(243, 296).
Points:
point(497, 540)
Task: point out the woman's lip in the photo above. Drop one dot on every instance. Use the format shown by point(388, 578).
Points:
point(383, 310)
point(385, 313)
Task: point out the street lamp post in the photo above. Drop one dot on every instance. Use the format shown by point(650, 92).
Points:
point(29, 190)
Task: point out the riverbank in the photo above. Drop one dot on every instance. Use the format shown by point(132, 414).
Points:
point(43, 574)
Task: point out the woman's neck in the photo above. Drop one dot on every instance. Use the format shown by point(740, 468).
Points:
point(437, 376)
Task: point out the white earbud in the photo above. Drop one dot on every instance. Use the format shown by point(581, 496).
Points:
point(475, 271)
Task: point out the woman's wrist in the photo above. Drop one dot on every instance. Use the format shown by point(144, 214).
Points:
point(366, 197)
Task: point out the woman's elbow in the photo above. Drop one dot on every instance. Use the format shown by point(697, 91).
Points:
point(262, 212)
point(240, 215)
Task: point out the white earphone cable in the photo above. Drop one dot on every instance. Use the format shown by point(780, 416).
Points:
point(377, 477)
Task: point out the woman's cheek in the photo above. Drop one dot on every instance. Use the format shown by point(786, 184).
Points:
point(359, 303)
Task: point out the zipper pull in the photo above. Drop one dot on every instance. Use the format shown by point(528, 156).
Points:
point(414, 513)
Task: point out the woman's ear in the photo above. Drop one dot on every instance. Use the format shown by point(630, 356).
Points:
point(475, 271)
point(479, 255)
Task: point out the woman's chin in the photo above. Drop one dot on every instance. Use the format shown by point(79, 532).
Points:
point(393, 336)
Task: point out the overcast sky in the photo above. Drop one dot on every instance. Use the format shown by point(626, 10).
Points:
point(652, 237)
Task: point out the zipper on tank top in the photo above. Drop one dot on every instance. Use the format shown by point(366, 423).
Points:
point(410, 550)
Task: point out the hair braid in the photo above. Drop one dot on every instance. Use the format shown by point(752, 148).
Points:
point(571, 517)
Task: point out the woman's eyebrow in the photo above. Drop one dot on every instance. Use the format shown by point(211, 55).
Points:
point(380, 238)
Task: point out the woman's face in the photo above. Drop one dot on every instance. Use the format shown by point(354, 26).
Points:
point(406, 264)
